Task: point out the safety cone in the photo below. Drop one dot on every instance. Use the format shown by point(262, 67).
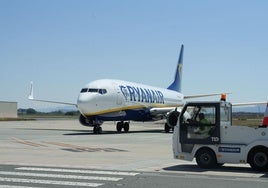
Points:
point(265, 118)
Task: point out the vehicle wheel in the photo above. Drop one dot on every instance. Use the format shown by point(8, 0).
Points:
point(167, 128)
point(258, 160)
point(126, 127)
point(206, 158)
point(119, 127)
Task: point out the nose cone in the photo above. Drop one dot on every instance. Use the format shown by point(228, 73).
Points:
point(84, 103)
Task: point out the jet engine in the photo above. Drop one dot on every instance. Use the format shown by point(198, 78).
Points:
point(85, 121)
point(172, 118)
point(89, 121)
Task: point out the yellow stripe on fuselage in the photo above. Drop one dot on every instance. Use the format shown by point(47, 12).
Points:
point(129, 108)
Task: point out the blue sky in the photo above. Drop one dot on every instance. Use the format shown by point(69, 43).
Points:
point(62, 45)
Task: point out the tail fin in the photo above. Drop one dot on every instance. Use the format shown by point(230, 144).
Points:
point(176, 85)
point(265, 118)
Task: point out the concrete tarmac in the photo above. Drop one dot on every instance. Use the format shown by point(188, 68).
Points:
point(31, 151)
point(67, 143)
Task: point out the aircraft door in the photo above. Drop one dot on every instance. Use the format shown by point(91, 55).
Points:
point(119, 97)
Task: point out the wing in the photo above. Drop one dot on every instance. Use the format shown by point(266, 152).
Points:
point(248, 103)
point(31, 97)
point(165, 110)
point(202, 95)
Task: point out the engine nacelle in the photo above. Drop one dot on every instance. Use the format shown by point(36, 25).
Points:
point(85, 121)
point(172, 118)
point(89, 121)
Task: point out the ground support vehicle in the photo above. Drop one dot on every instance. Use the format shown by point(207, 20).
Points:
point(218, 141)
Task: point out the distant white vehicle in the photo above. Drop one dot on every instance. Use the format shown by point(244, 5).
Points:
point(122, 101)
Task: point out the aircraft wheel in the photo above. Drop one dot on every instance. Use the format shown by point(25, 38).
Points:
point(126, 127)
point(206, 158)
point(167, 128)
point(258, 160)
point(220, 164)
point(119, 126)
point(100, 130)
point(97, 130)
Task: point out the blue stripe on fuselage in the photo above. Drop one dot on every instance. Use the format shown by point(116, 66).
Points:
point(134, 115)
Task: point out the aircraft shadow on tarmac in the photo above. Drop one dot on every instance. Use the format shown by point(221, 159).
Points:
point(74, 132)
point(115, 132)
point(195, 168)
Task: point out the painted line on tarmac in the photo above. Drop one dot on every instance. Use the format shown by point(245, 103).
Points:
point(26, 142)
point(14, 186)
point(50, 182)
point(79, 171)
point(75, 148)
point(60, 176)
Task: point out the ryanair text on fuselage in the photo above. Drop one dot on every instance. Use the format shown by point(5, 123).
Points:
point(139, 94)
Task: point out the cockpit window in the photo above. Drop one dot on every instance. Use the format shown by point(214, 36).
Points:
point(94, 90)
point(102, 91)
point(91, 90)
point(84, 90)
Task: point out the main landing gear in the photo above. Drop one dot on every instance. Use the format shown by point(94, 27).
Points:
point(168, 128)
point(97, 129)
point(122, 125)
point(119, 126)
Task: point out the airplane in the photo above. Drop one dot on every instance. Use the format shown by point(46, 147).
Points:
point(123, 101)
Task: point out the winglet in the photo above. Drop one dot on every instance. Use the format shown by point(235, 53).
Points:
point(265, 118)
point(31, 96)
point(176, 85)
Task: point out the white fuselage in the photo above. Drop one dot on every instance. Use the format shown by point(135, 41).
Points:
point(109, 99)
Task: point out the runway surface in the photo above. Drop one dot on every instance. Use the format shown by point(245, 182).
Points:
point(145, 154)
